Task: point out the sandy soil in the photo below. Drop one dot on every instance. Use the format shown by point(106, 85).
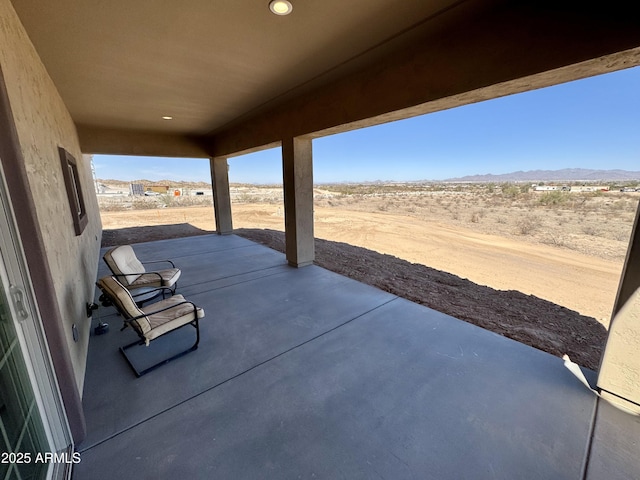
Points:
point(579, 282)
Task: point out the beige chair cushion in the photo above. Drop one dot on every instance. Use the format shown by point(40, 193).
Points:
point(166, 278)
point(123, 261)
point(153, 322)
point(170, 319)
point(124, 303)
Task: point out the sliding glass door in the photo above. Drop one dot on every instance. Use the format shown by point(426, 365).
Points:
point(22, 434)
point(35, 442)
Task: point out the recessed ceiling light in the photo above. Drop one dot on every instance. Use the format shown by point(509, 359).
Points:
point(167, 117)
point(280, 7)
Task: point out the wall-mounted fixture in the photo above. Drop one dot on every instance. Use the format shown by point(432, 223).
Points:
point(280, 7)
point(90, 307)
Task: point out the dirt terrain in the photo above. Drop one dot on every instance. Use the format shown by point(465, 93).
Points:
point(577, 281)
point(546, 295)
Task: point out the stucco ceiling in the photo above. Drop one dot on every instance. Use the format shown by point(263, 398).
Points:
point(124, 64)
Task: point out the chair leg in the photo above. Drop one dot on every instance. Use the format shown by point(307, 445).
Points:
point(140, 373)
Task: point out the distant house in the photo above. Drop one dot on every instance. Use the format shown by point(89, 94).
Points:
point(162, 189)
point(590, 188)
point(571, 188)
point(547, 188)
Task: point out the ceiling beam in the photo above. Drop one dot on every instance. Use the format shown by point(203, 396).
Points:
point(98, 140)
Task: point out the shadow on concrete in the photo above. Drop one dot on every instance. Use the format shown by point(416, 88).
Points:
point(125, 236)
point(524, 318)
point(306, 373)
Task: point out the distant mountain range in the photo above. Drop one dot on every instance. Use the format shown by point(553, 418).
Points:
point(566, 175)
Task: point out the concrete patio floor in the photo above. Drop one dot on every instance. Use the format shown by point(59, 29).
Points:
point(303, 373)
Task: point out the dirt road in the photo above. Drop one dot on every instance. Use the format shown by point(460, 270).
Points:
point(585, 284)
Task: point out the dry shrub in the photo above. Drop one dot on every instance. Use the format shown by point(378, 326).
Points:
point(554, 198)
point(590, 230)
point(527, 225)
point(112, 207)
point(556, 239)
point(511, 191)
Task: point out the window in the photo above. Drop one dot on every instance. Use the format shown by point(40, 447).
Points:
point(74, 190)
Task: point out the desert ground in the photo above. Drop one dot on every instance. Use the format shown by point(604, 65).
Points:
point(569, 252)
point(566, 249)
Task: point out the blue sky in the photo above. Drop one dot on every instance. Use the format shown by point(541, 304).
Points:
point(590, 123)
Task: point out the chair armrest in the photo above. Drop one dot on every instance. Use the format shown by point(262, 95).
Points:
point(147, 292)
point(160, 261)
point(195, 310)
point(138, 273)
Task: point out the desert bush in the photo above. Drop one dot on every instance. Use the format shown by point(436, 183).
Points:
point(190, 201)
point(590, 230)
point(510, 191)
point(621, 236)
point(165, 200)
point(111, 207)
point(140, 204)
point(553, 198)
point(625, 205)
point(527, 225)
point(554, 238)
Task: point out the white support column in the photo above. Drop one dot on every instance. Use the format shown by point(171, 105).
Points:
point(297, 168)
point(630, 280)
point(619, 375)
point(221, 195)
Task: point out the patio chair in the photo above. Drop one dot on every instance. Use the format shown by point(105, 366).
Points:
point(152, 321)
point(131, 272)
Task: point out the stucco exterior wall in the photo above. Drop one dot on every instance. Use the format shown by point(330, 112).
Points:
point(43, 124)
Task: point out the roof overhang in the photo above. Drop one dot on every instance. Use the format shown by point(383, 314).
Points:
point(235, 77)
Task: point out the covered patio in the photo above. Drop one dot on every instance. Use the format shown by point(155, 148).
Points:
point(303, 373)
